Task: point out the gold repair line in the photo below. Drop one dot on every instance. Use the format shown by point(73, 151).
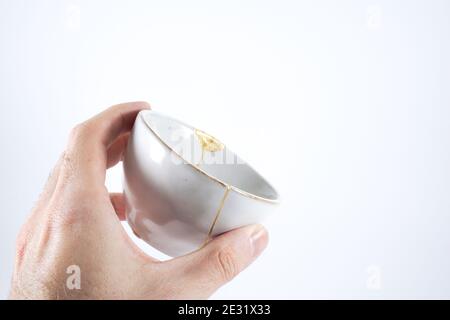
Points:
point(201, 159)
point(207, 143)
point(219, 211)
point(247, 194)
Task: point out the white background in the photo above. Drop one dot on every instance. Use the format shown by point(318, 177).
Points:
point(343, 105)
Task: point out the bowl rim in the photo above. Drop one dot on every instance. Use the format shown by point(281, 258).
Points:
point(223, 183)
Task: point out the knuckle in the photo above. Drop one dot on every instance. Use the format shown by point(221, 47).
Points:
point(225, 263)
point(82, 133)
point(80, 130)
point(22, 242)
point(67, 166)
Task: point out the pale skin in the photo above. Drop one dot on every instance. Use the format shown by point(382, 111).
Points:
point(76, 221)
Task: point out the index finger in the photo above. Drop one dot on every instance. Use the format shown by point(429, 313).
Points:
point(114, 121)
point(89, 141)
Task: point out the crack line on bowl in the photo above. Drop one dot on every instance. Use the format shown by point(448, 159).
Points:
point(216, 217)
point(207, 143)
point(199, 169)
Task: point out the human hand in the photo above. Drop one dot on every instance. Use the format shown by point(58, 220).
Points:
point(76, 223)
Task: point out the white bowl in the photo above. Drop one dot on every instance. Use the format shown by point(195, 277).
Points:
point(183, 187)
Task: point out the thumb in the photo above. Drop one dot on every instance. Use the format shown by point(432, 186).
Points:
point(202, 272)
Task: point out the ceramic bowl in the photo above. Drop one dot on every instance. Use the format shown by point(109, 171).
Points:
point(183, 187)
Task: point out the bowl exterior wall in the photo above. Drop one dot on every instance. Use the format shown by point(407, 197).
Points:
point(171, 204)
point(239, 210)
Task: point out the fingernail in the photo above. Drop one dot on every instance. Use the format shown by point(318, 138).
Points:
point(258, 240)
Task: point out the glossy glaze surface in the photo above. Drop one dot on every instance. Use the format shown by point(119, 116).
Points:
point(178, 195)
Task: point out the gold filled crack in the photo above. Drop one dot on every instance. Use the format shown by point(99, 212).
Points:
point(216, 217)
point(208, 143)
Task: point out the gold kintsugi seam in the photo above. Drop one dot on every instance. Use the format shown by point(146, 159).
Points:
point(207, 143)
point(216, 217)
point(238, 190)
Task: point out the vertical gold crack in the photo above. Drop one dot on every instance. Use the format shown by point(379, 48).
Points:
point(219, 210)
point(201, 158)
point(207, 143)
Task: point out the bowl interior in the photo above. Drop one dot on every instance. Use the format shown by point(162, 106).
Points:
point(203, 151)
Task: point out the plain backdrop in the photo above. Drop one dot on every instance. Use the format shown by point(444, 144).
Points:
point(343, 105)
